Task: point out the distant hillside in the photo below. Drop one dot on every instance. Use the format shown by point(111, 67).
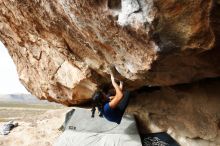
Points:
point(23, 98)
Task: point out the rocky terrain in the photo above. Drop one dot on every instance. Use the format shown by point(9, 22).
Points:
point(65, 49)
point(39, 129)
point(189, 112)
point(38, 121)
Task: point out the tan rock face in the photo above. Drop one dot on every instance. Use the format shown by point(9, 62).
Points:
point(64, 49)
point(189, 112)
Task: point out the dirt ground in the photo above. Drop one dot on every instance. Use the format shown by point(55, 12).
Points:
point(36, 127)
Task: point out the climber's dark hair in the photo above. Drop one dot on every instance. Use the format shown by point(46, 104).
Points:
point(105, 88)
point(98, 101)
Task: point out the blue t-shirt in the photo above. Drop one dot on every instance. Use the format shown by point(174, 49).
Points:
point(113, 115)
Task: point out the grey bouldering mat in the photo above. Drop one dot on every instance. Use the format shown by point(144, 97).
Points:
point(82, 130)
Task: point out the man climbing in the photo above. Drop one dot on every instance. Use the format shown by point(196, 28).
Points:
point(112, 107)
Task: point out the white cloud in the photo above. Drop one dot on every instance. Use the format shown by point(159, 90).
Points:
point(9, 82)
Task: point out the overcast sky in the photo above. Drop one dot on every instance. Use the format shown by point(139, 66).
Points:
point(9, 82)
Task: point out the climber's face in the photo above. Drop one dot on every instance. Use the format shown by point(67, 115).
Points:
point(104, 98)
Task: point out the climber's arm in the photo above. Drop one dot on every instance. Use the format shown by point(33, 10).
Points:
point(119, 95)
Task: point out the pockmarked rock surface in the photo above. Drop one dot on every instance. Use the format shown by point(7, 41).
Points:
point(65, 49)
point(190, 113)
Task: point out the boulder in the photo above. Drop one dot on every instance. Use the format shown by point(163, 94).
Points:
point(64, 50)
point(188, 112)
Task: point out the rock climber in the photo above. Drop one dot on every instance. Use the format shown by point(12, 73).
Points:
point(111, 107)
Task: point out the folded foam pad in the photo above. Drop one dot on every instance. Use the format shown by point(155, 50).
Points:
point(81, 129)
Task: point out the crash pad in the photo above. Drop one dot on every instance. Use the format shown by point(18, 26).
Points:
point(81, 129)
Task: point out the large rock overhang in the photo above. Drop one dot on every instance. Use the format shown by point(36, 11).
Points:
point(64, 50)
